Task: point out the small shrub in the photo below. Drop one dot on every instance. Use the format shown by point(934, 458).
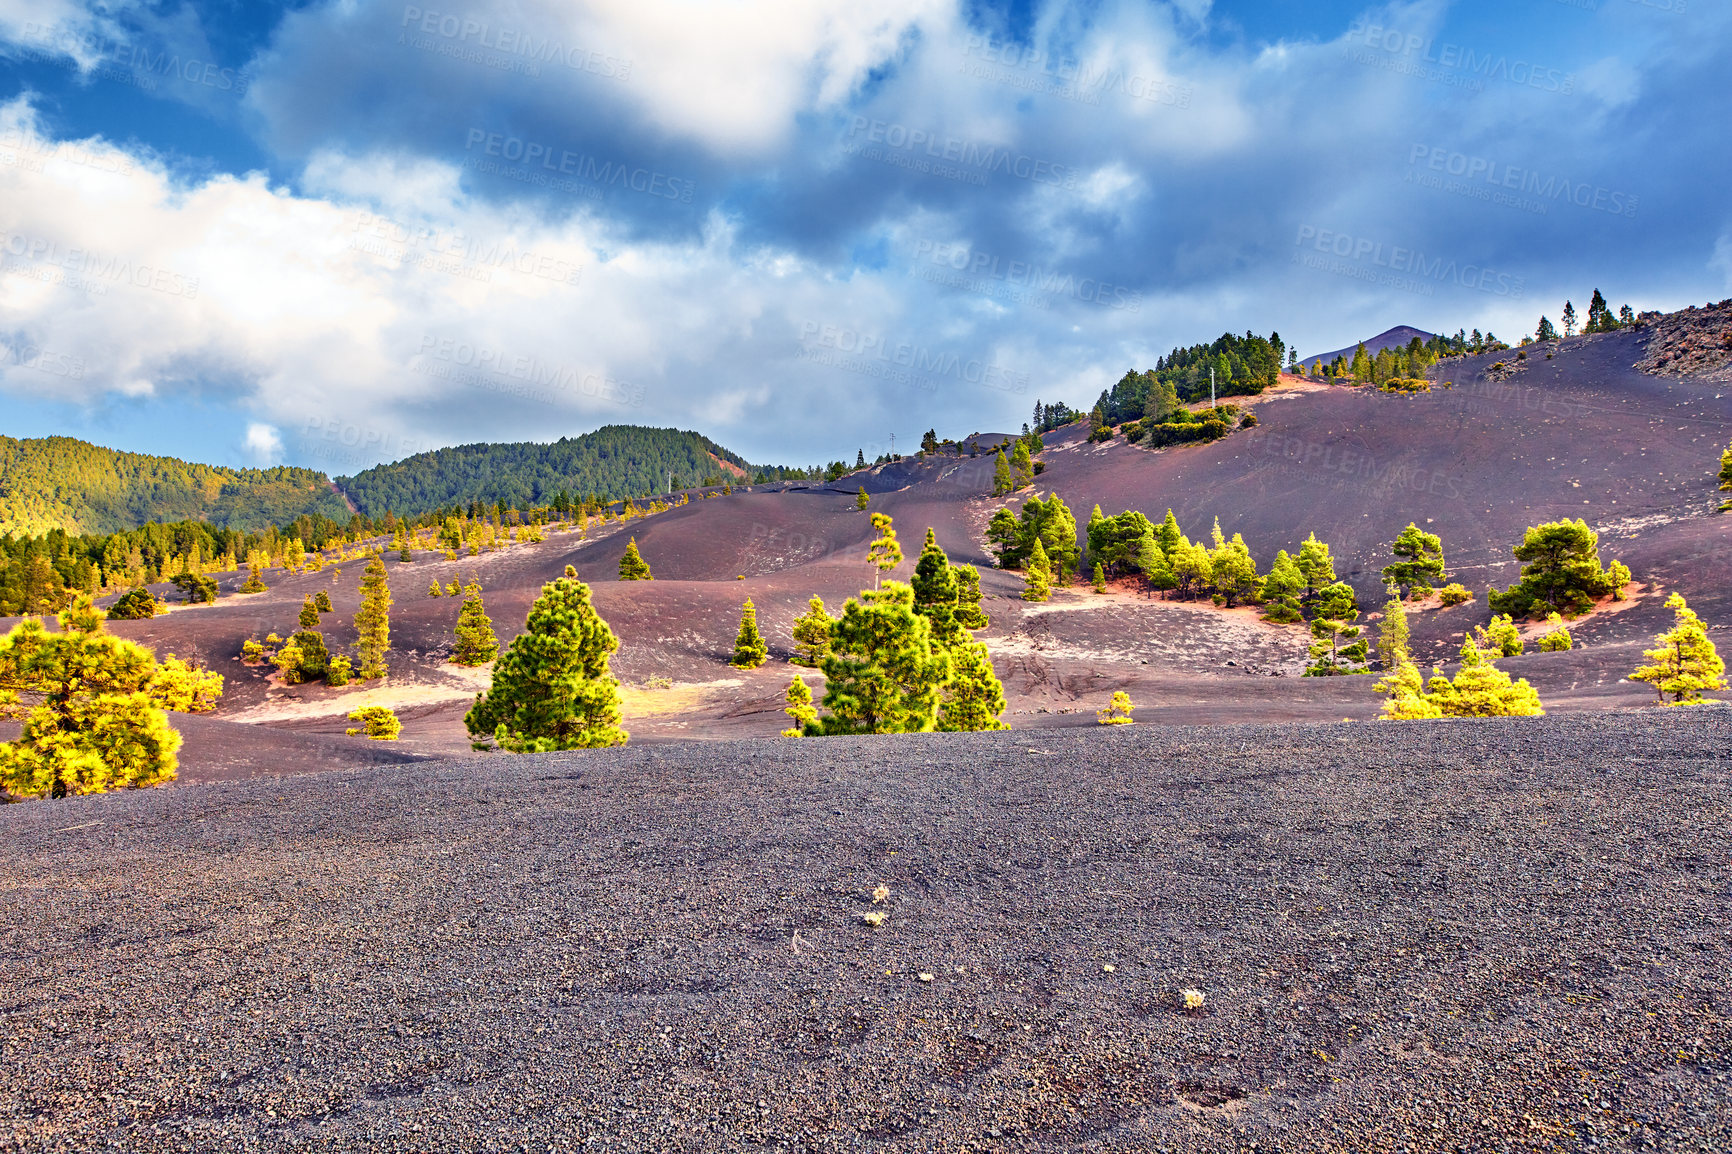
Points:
point(337, 673)
point(378, 722)
point(1559, 639)
point(135, 606)
point(1117, 711)
point(252, 653)
point(1455, 593)
point(1248, 421)
point(1191, 999)
point(659, 683)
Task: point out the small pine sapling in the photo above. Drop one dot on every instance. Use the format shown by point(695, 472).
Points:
point(749, 647)
point(1117, 711)
point(378, 723)
point(800, 708)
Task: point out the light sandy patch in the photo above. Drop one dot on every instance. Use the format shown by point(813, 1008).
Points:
point(392, 696)
point(1163, 634)
point(683, 697)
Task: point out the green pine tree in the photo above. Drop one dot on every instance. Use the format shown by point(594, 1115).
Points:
point(1002, 481)
point(884, 554)
point(1559, 639)
point(749, 648)
point(1392, 635)
point(254, 584)
point(812, 635)
point(378, 723)
point(800, 708)
point(1683, 662)
point(973, 697)
point(1500, 639)
point(1037, 575)
point(969, 614)
point(1315, 565)
point(1022, 465)
point(861, 500)
point(373, 620)
point(1420, 565)
point(1338, 647)
point(884, 673)
point(1281, 589)
point(1099, 578)
point(1232, 571)
point(552, 689)
point(322, 601)
point(1481, 689)
point(476, 642)
point(309, 618)
point(632, 566)
point(935, 593)
point(91, 707)
point(435, 590)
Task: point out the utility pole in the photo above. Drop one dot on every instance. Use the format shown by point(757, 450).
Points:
point(892, 446)
point(1211, 386)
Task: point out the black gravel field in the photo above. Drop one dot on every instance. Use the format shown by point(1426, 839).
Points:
point(1498, 935)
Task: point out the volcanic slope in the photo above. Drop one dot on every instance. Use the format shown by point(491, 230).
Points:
point(1397, 337)
point(1580, 434)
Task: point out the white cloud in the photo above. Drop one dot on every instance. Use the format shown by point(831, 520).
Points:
point(263, 444)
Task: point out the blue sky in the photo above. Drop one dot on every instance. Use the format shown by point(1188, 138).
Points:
point(342, 231)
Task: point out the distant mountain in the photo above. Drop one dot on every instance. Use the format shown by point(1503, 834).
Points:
point(613, 462)
point(1399, 335)
point(64, 483)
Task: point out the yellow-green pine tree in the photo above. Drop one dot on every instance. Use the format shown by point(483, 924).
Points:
point(373, 620)
point(1683, 662)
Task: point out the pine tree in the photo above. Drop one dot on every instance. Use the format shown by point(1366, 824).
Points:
point(1405, 689)
point(1501, 638)
point(884, 553)
point(1192, 570)
point(969, 614)
point(1281, 589)
point(338, 671)
point(1022, 465)
point(884, 673)
point(1481, 689)
point(552, 688)
point(1335, 611)
point(1600, 319)
point(800, 708)
point(632, 566)
point(435, 590)
point(749, 648)
point(1545, 331)
point(253, 585)
point(1392, 636)
point(476, 642)
point(1315, 565)
point(1168, 534)
point(1037, 575)
point(138, 605)
point(861, 500)
point(812, 635)
point(1002, 482)
point(182, 687)
point(1726, 471)
point(1683, 662)
point(973, 697)
point(1560, 571)
point(1559, 639)
point(322, 601)
point(91, 705)
point(934, 586)
point(309, 618)
point(453, 589)
point(1569, 319)
point(314, 659)
point(373, 620)
point(1099, 579)
point(859, 458)
point(1232, 571)
point(1420, 565)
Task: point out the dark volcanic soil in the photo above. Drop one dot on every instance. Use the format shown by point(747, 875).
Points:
point(1436, 936)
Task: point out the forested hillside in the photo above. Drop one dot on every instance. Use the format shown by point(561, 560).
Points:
point(64, 483)
point(613, 462)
